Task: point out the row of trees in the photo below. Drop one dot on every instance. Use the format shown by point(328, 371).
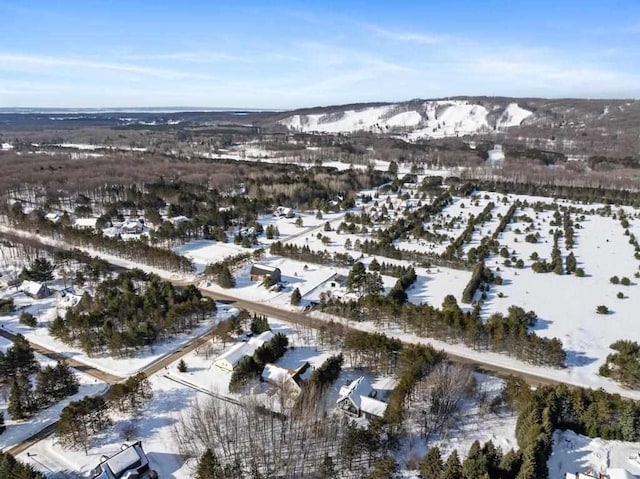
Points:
point(508, 334)
point(305, 254)
point(137, 250)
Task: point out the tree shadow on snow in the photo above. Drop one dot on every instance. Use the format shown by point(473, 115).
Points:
point(579, 358)
point(165, 463)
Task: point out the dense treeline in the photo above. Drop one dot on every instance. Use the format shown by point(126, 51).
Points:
point(29, 394)
point(414, 363)
point(52, 384)
point(576, 193)
point(221, 272)
point(481, 274)
point(305, 254)
point(373, 351)
point(130, 311)
point(131, 395)
point(81, 420)
point(133, 250)
point(506, 334)
point(454, 250)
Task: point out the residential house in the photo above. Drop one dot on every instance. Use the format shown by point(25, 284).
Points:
point(131, 462)
point(35, 290)
point(132, 227)
point(284, 212)
point(290, 380)
point(230, 358)
point(358, 398)
point(259, 272)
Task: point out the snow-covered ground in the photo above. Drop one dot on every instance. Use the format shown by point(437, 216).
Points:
point(431, 119)
point(576, 453)
point(175, 392)
point(513, 115)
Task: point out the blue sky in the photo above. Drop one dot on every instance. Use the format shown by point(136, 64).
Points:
point(294, 54)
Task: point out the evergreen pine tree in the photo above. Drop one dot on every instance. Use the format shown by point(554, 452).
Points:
point(431, 465)
point(475, 464)
point(452, 468)
point(209, 467)
point(182, 366)
point(296, 297)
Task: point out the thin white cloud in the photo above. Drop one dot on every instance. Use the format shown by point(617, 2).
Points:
point(49, 62)
point(402, 36)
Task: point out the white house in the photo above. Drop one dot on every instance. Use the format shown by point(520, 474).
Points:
point(132, 227)
point(86, 223)
point(358, 398)
point(35, 290)
point(230, 358)
point(288, 379)
point(283, 211)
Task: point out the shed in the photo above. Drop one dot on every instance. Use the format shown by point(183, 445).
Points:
point(260, 271)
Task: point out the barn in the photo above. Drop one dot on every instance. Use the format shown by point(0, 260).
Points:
point(260, 271)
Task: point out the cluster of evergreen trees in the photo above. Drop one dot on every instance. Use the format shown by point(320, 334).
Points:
point(250, 367)
point(362, 281)
point(10, 468)
point(623, 365)
point(399, 291)
point(414, 363)
point(374, 351)
point(259, 324)
point(305, 254)
point(81, 420)
point(29, 395)
point(53, 383)
point(221, 272)
point(131, 395)
point(130, 311)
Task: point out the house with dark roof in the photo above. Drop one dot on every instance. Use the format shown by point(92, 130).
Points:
point(35, 290)
point(260, 271)
point(130, 463)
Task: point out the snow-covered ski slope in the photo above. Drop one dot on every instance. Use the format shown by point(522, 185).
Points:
point(429, 119)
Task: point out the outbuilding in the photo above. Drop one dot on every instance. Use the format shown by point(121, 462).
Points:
point(260, 271)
